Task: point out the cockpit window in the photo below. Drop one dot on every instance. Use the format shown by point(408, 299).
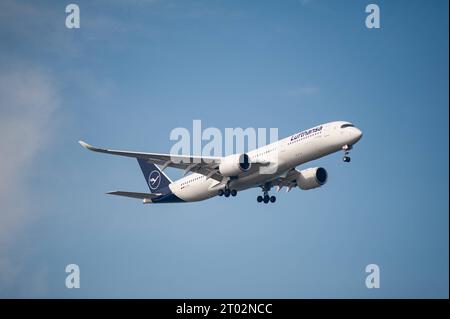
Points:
point(347, 125)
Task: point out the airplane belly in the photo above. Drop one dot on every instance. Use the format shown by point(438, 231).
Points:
point(252, 181)
point(194, 192)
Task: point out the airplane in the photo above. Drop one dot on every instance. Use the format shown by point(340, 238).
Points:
point(225, 176)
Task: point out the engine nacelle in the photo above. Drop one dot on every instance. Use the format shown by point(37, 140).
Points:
point(235, 164)
point(312, 178)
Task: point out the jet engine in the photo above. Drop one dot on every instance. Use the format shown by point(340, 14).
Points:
point(312, 178)
point(235, 164)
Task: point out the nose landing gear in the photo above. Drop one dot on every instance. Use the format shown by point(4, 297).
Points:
point(346, 149)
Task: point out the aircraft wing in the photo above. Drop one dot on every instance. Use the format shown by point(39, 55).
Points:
point(289, 180)
point(205, 165)
point(134, 194)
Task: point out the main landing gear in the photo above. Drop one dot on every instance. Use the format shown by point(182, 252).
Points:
point(227, 192)
point(266, 198)
point(346, 149)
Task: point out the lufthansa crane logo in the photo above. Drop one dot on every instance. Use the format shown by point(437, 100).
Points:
point(154, 179)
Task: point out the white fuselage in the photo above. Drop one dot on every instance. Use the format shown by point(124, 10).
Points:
point(287, 153)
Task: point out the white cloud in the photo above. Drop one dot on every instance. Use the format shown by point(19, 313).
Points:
point(28, 101)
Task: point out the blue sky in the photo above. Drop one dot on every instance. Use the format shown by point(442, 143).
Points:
point(134, 72)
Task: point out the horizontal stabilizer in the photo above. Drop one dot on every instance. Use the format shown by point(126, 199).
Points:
point(134, 194)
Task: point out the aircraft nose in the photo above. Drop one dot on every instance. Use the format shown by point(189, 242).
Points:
point(358, 134)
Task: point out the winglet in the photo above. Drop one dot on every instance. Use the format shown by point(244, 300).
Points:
point(84, 144)
point(90, 147)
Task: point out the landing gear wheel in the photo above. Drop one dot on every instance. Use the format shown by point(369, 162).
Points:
point(346, 149)
point(266, 199)
point(259, 199)
point(273, 199)
point(233, 192)
point(220, 192)
point(227, 193)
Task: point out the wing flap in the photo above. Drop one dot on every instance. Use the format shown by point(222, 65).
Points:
point(286, 180)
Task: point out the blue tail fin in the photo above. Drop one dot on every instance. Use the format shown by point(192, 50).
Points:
point(156, 180)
